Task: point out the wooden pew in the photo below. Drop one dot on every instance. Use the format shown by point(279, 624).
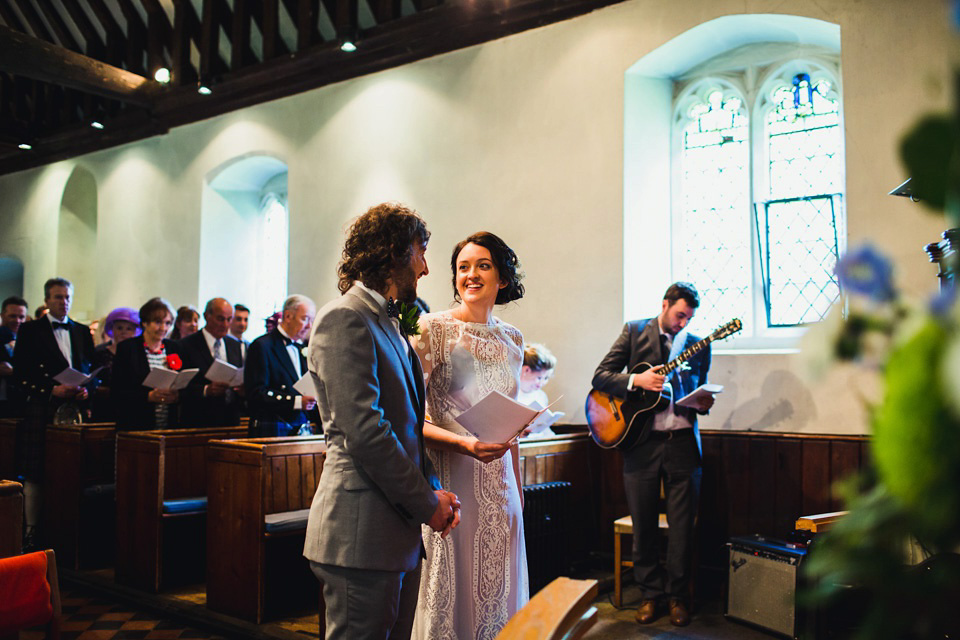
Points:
point(8, 439)
point(78, 505)
point(260, 491)
point(11, 518)
point(161, 504)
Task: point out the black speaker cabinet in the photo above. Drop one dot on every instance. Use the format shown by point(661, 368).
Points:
point(763, 578)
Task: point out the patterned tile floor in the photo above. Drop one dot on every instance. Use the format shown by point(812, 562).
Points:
point(87, 617)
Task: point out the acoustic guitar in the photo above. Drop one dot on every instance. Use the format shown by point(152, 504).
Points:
point(625, 422)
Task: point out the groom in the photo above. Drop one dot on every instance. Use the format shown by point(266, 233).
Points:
point(377, 486)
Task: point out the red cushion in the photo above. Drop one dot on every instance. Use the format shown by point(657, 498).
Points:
point(24, 592)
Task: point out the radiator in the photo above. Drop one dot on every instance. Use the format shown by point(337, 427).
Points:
point(546, 522)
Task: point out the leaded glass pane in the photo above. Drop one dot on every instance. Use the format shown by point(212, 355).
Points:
point(804, 144)
point(714, 230)
point(801, 253)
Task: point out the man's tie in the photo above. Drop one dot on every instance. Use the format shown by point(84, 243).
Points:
point(217, 346)
point(60, 325)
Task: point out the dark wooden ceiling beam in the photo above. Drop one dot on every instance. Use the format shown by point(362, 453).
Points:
point(306, 17)
point(386, 10)
point(36, 25)
point(11, 19)
point(159, 33)
point(343, 14)
point(211, 64)
point(59, 27)
point(136, 38)
point(241, 55)
point(273, 44)
point(29, 57)
point(186, 29)
point(96, 47)
point(115, 40)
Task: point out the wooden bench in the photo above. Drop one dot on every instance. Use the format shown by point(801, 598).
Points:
point(563, 610)
point(79, 505)
point(260, 491)
point(11, 518)
point(161, 505)
point(8, 455)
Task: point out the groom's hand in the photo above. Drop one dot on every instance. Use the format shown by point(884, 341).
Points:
point(447, 514)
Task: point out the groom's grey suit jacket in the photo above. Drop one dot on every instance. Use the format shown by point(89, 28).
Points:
point(377, 485)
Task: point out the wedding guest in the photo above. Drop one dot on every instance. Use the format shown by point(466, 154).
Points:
point(241, 319)
point(120, 324)
point(476, 578)
point(207, 403)
point(13, 313)
point(40, 312)
point(538, 368)
point(187, 322)
point(44, 349)
point(138, 407)
point(274, 364)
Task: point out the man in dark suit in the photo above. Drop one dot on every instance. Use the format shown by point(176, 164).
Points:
point(670, 454)
point(204, 403)
point(238, 326)
point(275, 361)
point(12, 315)
point(378, 486)
point(44, 348)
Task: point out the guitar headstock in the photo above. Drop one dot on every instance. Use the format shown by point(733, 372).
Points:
point(728, 329)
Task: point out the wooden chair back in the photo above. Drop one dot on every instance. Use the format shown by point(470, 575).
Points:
point(563, 610)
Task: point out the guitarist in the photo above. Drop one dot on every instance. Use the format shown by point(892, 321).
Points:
point(671, 453)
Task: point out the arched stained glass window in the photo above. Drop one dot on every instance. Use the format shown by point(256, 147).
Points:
point(713, 229)
point(758, 220)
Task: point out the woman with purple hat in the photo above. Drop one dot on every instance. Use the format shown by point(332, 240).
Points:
point(120, 324)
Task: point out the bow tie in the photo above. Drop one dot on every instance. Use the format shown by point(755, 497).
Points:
point(287, 342)
point(393, 311)
point(60, 325)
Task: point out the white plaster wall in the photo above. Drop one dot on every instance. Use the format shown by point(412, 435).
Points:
point(523, 137)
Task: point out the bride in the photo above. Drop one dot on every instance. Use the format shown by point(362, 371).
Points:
point(476, 578)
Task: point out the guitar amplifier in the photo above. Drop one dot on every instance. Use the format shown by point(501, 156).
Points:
point(763, 578)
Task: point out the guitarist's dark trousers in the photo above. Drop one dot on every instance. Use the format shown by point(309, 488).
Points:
point(674, 457)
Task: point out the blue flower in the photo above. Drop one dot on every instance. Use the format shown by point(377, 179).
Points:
point(942, 301)
point(867, 272)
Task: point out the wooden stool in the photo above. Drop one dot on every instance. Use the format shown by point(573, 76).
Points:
point(621, 527)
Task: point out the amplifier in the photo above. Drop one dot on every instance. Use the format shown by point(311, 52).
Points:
point(763, 577)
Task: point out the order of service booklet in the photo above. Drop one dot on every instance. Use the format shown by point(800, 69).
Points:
point(161, 378)
point(692, 399)
point(498, 418)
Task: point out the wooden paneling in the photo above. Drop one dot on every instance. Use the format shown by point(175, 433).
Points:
point(248, 572)
point(8, 439)
point(11, 518)
point(153, 466)
point(78, 457)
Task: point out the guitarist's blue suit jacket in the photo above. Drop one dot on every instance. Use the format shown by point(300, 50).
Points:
point(640, 342)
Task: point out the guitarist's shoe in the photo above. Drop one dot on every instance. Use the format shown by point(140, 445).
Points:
point(647, 612)
point(679, 614)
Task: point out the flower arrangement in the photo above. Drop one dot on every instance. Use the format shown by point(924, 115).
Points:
point(891, 563)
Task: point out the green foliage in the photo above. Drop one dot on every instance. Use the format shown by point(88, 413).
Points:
point(928, 152)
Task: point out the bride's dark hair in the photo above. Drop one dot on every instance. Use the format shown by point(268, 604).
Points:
point(504, 259)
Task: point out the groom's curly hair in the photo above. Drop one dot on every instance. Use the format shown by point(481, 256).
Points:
point(378, 242)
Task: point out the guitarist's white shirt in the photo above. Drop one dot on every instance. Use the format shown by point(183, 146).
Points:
point(667, 420)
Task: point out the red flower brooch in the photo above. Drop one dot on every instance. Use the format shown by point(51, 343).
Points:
point(174, 362)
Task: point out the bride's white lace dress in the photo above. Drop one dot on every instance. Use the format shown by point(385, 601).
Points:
point(476, 578)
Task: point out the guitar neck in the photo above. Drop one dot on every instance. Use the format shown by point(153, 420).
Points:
point(688, 353)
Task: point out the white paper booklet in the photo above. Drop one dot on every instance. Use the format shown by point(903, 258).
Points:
point(72, 377)
point(161, 378)
point(305, 386)
point(692, 399)
point(497, 418)
point(546, 419)
point(224, 372)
